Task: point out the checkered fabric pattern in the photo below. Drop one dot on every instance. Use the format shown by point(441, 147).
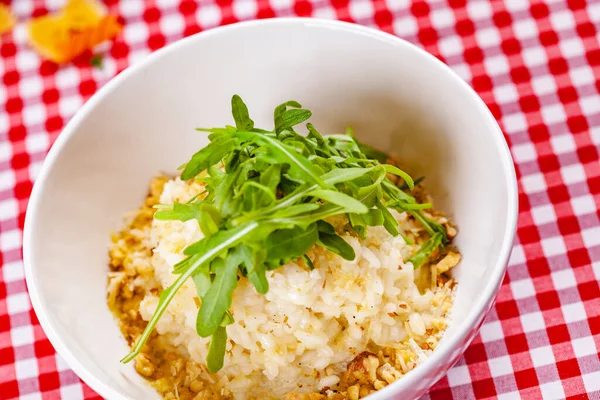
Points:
point(536, 65)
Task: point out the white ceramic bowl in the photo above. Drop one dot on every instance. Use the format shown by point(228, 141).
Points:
point(396, 96)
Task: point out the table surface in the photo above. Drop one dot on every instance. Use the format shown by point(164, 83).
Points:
point(536, 65)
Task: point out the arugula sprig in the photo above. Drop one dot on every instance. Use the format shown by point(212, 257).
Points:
point(268, 194)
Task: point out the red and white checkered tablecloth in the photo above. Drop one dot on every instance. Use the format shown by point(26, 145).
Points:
point(536, 65)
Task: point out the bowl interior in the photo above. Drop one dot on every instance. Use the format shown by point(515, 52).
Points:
point(142, 123)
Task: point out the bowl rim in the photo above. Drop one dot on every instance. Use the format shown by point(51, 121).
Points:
point(481, 306)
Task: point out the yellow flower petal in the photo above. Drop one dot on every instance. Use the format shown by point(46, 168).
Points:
point(80, 26)
point(7, 20)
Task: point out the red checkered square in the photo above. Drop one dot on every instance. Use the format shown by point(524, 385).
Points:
point(535, 64)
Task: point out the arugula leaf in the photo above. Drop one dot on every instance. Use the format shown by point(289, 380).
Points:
point(296, 209)
point(308, 262)
point(373, 218)
point(289, 118)
point(426, 249)
point(337, 245)
point(389, 222)
point(339, 175)
point(207, 215)
point(390, 169)
point(349, 203)
point(325, 227)
point(208, 156)
point(404, 186)
point(286, 244)
point(202, 279)
point(358, 224)
point(218, 296)
point(371, 152)
point(255, 267)
point(216, 350)
point(240, 114)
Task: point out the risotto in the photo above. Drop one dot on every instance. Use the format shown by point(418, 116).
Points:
point(329, 327)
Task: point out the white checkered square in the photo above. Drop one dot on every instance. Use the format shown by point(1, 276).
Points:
point(552, 390)
point(35, 169)
point(208, 15)
point(500, 366)
point(590, 105)
point(542, 356)
point(358, 9)
point(533, 322)
point(525, 29)
point(571, 48)
point(595, 134)
point(31, 396)
point(543, 214)
point(506, 94)
point(563, 279)
point(488, 37)
point(563, 144)
point(593, 10)
point(442, 17)
point(7, 180)
point(37, 143)
point(553, 246)
point(534, 183)
point(34, 114)
point(9, 209)
point(574, 312)
point(463, 71)
point(573, 173)
point(68, 105)
point(32, 86)
point(27, 60)
point(524, 152)
point(562, 21)
point(515, 5)
point(591, 236)
point(10, 240)
point(582, 75)
point(22, 9)
point(4, 144)
point(135, 32)
point(591, 381)
point(17, 303)
point(479, 10)
point(13, 272)
point(26, 368)
point(67, 78)
point(534, 56)
point(553, 114)
point(491, 331)
point(459, 375)
point(71, 392)
point(517, 256)
point(497, 65)
point(543, 84)
point(514, 123)
point(583, 205)
point(174, 24)
point(450, 46)
point(522, 289)
point(509, 396)
point(584, 346)
point(22, 335)
point(131, 8)
point(282, 5)
point(324, 13)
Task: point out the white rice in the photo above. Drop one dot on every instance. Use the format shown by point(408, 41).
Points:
point(301, 335)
